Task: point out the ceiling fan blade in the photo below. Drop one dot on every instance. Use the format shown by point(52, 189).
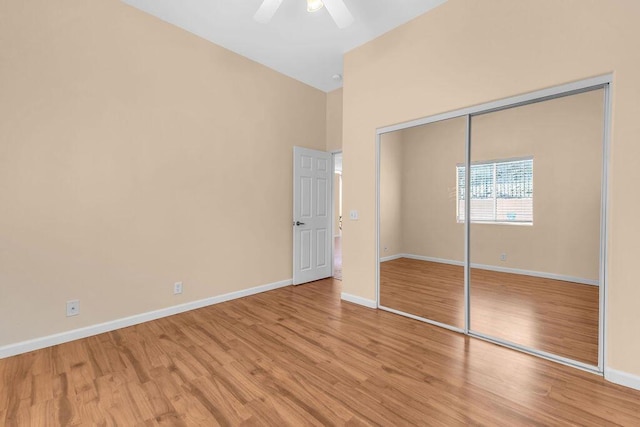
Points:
point(339, 12)
point(267, 10)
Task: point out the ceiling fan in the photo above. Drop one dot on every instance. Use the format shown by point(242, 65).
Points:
point(336, 8)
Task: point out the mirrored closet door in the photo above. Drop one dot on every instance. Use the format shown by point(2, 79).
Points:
point(492, 221)
point(421, 231)
point(535, 208)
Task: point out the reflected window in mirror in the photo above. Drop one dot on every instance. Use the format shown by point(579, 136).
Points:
point(501, 191)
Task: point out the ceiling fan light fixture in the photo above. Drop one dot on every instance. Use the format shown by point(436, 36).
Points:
point(314, 5)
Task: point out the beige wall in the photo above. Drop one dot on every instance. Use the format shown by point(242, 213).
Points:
point(430, 155)
point(334, 120)
point(134, 155)
point(467, 52)
point(334, 142)
point(564, 136)
point(391, 189)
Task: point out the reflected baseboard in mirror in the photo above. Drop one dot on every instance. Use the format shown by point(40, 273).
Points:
point(555, 316)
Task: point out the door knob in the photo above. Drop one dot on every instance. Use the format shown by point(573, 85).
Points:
point(299, 223)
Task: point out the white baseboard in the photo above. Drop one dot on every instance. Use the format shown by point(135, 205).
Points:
point(622, 378)
point(501, 269)
point(60, 338)
point(432, 259)
point(391, 257)
point(358, 300)
point(542, 274)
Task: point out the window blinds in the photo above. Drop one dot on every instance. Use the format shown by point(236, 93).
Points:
point(500, 191)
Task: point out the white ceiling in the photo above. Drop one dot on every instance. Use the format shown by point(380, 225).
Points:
point(305, 46)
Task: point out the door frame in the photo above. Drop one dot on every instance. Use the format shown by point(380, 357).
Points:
point(600, 82)
point(333, 209)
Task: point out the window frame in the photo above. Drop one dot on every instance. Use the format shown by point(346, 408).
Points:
point(495, 198)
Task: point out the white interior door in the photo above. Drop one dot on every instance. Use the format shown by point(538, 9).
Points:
point(312, 237)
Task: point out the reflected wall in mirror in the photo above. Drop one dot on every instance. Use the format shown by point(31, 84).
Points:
point(535, 194)
point(421, 240)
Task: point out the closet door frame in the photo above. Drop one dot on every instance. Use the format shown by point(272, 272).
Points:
point(601, 82)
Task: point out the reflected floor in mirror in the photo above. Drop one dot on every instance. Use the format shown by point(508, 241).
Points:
point(550, 315)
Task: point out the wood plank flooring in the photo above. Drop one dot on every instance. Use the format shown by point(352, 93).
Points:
point(550, 315)
point(299, 356)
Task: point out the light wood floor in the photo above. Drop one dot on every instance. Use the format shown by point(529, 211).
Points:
point(551, 315)
point(298, 356)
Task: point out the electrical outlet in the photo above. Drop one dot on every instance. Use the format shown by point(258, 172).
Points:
point(177, 288)
point(73, 308)
point(503, 257)
point(353, 215)
point(386, 249)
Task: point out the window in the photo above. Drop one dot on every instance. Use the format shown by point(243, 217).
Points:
point(501, 191)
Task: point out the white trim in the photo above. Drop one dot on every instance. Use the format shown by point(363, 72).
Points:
point(358, 300)
point(541, 274)
point(392, 257)
point(334, 220)
point(495, 161)
point(432, 259)
point(536, 96)
point(543, 354)
point(504, 269)
point(467, 226)
point(422, 319)
point(604, 221)
point(377, 248)
point(489, 222)
point(622, 378)
point(76, 334)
